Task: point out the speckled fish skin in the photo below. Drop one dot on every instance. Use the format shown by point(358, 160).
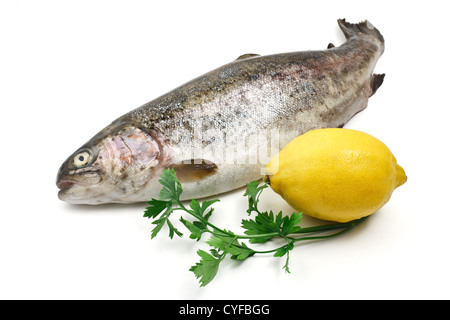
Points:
point(194, 127)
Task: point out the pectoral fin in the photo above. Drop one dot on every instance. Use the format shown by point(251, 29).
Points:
point(194, 170)
point(375, 82)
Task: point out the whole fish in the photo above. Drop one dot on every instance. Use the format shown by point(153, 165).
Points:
point(218, 130)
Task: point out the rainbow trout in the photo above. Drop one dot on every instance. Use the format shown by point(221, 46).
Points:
point(219, 130)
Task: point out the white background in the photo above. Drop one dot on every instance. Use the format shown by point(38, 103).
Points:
point(69, 68)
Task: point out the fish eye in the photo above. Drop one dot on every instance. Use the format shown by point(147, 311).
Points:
point(82, 159)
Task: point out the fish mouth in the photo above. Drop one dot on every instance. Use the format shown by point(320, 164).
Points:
point(64, 188)
point(72, 185)
point(64, 184)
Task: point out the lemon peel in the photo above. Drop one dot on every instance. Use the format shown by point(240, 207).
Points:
point(335, 174)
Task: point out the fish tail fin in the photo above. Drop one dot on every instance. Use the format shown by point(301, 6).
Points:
point(365, 27)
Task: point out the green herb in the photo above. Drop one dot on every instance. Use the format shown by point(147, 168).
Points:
point(260, 229)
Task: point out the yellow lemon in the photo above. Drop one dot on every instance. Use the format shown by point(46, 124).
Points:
point(335, 174)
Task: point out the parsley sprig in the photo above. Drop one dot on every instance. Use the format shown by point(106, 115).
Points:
point(263, 227)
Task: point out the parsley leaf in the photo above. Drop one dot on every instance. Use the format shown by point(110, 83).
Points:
point(253, 192)
point(207, 268)
point(285, 251)
point(260, 225)
point(230, 244)
point(290, 224)
point(200, 209)
point(196, 228)
point(165, 220)
point(163, 208)
point(156, 207)
point(268, 223)
point(172, 187)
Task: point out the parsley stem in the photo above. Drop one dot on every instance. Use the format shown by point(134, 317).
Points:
point(330, 226)
point(200, 218)
point(265, 226)
point(347, 227)
point(256, 236)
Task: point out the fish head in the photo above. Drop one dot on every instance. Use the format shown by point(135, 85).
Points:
point(114, 166)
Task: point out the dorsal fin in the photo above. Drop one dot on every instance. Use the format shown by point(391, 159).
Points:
point(248, 55)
